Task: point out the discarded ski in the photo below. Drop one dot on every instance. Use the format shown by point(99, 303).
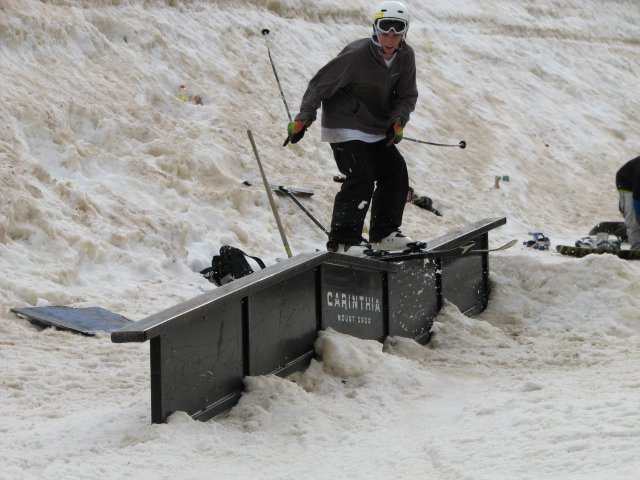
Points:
point(461, 250)
point(87, 321)
point(281, 188)
point(583, 251)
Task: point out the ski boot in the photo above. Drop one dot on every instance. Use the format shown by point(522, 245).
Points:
point(540, 241)
point(396, 241)
point(361, 250)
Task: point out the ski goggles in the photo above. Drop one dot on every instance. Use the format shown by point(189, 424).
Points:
point(391, 24)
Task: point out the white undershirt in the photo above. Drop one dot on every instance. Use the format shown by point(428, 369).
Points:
point(339, 135)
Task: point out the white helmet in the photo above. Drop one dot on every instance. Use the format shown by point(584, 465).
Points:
point(391, 16)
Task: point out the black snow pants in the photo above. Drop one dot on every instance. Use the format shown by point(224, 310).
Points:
point(376, 174)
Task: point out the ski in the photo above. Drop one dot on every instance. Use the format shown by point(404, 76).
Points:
point(412, 248)
point(584, 251)
point(304, 192)
point(461, 250)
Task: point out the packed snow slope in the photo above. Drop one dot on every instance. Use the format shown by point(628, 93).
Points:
point(114, 193)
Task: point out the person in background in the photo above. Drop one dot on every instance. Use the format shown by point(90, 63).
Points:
point(628, 184)
point(367, 93)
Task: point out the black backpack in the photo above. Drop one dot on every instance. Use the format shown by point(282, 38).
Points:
point(230, 265)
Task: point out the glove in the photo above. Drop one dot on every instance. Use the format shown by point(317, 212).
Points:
point(295, 130)
point(395, 130)
point(636, 207)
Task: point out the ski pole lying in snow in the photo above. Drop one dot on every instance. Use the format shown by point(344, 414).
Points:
point(271, 202)
point(284, 189)
point(462, 143)
point(291, 192)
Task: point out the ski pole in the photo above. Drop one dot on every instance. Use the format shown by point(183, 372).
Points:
point(265, 33)
point(462, 143)
point(284, 189)
point(271, 202)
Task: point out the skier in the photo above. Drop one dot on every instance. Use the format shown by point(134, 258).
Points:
point(628, 184)
point(367, 93)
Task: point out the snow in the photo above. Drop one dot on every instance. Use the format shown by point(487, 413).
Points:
point(114, 194)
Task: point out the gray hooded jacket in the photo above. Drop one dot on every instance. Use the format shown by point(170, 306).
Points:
point(358, 91)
